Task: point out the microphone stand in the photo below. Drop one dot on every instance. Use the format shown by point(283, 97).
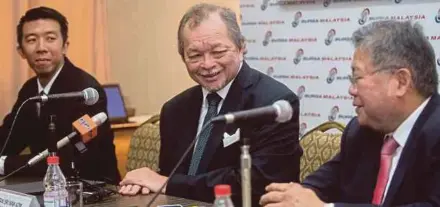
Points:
point(179, 163)
point(246, 165)
point(52, 146)
point(52, 135)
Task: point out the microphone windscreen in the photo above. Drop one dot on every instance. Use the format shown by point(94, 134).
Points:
point(99, 118)
point(284, 111)
point(91, 96)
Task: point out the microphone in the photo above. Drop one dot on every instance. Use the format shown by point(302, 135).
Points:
point(85, 126)
point(89, 95)
point(281, 111)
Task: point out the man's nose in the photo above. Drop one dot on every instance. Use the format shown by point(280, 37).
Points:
point(41, 46)
point(352, 90)
point(208, 62)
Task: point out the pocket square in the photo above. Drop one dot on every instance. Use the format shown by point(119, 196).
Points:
point(231, 139)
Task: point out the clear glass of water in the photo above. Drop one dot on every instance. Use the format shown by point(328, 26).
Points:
point(75, 190)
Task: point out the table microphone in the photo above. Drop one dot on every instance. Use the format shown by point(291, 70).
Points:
point(85, 126)
point(89, 95)
point(281, 111)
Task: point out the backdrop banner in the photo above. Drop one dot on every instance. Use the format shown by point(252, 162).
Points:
point(306, 44)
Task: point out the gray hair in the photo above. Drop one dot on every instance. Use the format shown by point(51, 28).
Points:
point(393, 44)
point(200, 12)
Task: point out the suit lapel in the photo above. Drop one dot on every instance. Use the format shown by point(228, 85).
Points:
point(234, 101)
point(408, 152)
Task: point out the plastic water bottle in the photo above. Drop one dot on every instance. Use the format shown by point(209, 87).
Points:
point(223, 196)
point(55, 193)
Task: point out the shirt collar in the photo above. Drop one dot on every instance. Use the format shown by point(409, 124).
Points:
point(50, 83)
point(402, 132)
point(224, 91)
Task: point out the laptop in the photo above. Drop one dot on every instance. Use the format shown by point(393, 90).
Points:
point(117, 113)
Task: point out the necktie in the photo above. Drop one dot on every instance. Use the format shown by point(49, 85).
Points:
point(213, 101)
point(39, 105)
point(386, 157)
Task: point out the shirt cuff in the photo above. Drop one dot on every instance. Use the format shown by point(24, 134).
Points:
point(2, 165)
point(329, 205)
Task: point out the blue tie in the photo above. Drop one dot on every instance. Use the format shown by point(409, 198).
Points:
point(213, 101)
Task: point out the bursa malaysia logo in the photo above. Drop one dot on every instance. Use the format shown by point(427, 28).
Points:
point(326, 3)
point(267, 37)
point(437, 17)
point(333, 113)
point(332, 75)
point(264, 5)
point(364, 16)
point(330, 35)
point(297, 18)
point(298, 56)
point(270, 70)
point(300, 92)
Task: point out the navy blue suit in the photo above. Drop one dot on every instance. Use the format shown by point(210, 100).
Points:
point(274, 147)
point(350, 177)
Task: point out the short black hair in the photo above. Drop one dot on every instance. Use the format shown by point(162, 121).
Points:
point(42, 13)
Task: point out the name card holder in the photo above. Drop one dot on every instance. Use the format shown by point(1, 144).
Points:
point(9, 198)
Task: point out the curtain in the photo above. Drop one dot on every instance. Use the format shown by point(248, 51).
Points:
point(88, 47)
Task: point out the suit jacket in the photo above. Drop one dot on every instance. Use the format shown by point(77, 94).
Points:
point(350, 177)
point(273, 146)
point(31, 130)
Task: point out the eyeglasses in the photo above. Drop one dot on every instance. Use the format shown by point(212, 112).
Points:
point(354, 79)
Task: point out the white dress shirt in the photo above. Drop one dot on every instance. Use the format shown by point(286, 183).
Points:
point(222, 93)
point(401, 136)
point(46, 90)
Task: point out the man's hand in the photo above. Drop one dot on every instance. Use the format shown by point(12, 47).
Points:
point(143, 179)
point(133, 190)
point(289, 194)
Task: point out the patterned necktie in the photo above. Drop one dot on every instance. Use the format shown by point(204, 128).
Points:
point(386, 157)
point(213, 101)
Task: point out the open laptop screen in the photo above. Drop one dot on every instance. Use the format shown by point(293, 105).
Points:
point(115, 103)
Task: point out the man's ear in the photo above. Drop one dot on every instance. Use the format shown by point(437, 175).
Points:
point(20, 52)
point(65, 47)
point(404, 80)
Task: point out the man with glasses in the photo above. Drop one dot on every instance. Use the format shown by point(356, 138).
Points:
point(390, 152)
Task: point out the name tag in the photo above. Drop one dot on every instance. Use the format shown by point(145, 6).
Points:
point(9, 198)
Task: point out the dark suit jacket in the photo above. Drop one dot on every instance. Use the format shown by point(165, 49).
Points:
point(98, 162)
point(350, 177)
point(273, 146)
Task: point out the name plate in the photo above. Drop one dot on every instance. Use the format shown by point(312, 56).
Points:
point(9, 198)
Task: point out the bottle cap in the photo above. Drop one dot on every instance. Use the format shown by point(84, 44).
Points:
point(222, 190)
point(53, 159)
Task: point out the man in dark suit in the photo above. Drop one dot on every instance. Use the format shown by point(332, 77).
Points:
point(390, 153)
point(211, 46)
point(42, 41)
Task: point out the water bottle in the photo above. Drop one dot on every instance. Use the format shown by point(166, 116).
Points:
point(223, 196)
point(55, 193)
